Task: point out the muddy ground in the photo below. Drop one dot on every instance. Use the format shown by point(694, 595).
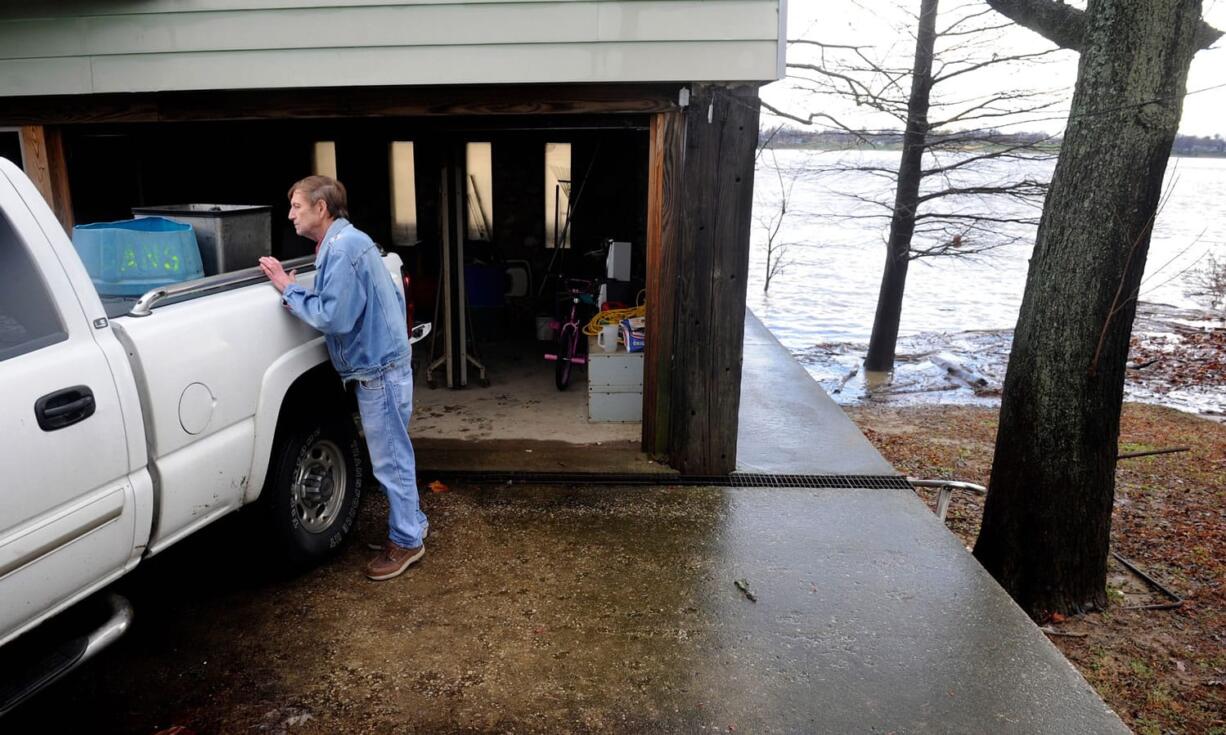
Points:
point(223, 642)
point(1163, 671)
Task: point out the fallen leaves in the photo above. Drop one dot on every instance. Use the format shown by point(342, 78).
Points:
point(1186, 358)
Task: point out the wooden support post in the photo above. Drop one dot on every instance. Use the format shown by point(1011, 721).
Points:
point(663, 210)
point(712, 251)
point(42, 154)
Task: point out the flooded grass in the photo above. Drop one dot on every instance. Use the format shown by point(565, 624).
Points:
point(1177, 360)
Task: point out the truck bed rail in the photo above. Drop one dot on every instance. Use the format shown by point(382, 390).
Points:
point(212, 284)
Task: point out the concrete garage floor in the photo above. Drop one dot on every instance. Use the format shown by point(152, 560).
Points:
point(593, 609)
point(522, 402)
point(520, 421)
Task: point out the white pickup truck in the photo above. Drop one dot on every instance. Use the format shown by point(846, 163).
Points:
point(123, 433)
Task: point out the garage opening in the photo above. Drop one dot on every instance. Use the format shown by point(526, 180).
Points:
point(512, 232)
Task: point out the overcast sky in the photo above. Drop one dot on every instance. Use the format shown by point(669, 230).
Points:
point(883, 25)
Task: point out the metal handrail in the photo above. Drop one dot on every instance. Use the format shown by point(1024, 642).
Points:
point(144, 305)
point(947, 488)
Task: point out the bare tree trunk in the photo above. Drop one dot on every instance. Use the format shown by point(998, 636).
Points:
point(1047, 522)
point(906, 199)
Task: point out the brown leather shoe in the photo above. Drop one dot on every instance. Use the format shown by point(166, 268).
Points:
point(379, 546)
point(392, 561)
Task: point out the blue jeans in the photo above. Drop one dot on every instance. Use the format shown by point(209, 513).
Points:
point(386, 404)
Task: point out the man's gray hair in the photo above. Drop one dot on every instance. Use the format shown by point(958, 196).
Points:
point(331, 191)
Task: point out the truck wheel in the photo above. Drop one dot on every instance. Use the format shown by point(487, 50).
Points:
point(311, 498)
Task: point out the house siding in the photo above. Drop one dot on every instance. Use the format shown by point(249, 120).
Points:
point(166, 45)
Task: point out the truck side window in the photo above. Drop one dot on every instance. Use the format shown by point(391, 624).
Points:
point(28, 317)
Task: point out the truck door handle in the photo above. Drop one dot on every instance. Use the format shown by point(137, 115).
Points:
point(64, 407)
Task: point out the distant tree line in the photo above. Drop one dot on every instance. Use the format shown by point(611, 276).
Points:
point(787, 137)
point(1199, 145)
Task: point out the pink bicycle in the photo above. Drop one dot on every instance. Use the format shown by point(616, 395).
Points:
point(571, 347)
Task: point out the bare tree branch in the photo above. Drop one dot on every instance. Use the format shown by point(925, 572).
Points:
point(821, 44)
point(990, 62)
point(766, 143)
point(1004, 153)
point(867, 200)
point(885, 217)
point(840, 169)
point(990, 112)
point(976, 31)
point(1030, 221)
point(855, 87)
point(1065, 25)
point(809, 120)
point(1019, 189)
point(775, 251)
point(952, 27)
point(1061, 24)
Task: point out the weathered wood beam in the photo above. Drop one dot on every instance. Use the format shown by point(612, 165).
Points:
point(42, 154)
point(663, 208)
point(352, 102)
point(721, 134)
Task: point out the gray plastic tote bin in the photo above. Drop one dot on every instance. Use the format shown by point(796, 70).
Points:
point(231, 236)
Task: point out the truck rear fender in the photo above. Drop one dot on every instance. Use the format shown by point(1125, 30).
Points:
point(301, 380)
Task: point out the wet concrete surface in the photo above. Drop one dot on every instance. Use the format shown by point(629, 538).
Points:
point(597, 609)
point(555, 609)
point(787, 423)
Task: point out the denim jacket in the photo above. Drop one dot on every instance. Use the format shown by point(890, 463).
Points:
point(356, 303)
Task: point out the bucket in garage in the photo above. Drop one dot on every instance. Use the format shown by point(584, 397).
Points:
point(130, 257)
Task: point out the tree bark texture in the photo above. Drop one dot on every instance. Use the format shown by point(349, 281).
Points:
point(884, 338)
point(1047, 521)
point(1065, 25)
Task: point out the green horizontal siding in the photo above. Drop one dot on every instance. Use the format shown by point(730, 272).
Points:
point(80, 8)
point(83, 47)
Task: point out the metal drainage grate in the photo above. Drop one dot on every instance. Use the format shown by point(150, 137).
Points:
point(736, 479)
point(862, 482)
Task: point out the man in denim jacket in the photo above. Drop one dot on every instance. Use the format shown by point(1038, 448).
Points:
point(361, 312)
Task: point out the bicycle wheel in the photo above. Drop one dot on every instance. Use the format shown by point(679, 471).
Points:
point(566, 353)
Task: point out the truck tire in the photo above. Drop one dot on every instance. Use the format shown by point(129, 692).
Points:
point(310, 501)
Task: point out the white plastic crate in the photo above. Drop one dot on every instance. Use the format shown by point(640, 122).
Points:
point(614, 385)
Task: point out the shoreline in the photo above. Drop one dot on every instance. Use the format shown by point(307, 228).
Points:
point(1177, 360)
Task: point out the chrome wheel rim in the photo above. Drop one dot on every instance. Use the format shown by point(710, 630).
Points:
point(319, 486)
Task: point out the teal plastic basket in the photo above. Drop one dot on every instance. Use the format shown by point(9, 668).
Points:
point(130, 257)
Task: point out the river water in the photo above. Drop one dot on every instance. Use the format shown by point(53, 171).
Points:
point(959, 310)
